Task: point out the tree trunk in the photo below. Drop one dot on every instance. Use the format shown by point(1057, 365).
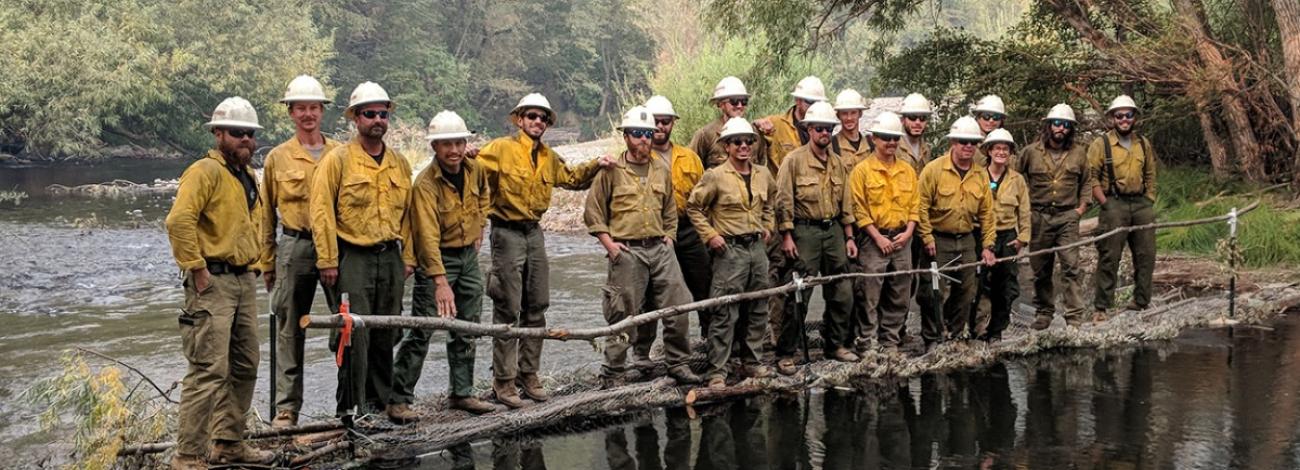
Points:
point(1220, 161)
point(1287, 13)
point(1220, 72)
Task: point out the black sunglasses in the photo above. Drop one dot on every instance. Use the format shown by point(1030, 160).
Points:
point(820, 128)
point(738, 101)
point(371, 114)
point(639, 133)
point(663, 121)
point(991, 117)
point(916, 117)
point(887, 137)
point(1124, 114)
point(807, 101)
point(1061, 123)
point(966, 142)
point(536, 116)
point(742, 141)
point(241, 133)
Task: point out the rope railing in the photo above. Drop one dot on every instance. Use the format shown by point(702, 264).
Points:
point(501, 330)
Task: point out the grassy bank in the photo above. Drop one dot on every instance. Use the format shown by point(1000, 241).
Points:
point(1267, 236)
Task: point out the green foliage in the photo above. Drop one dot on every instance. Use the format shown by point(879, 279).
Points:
point(82, 74)
point(1266, 237)
point(104, 414)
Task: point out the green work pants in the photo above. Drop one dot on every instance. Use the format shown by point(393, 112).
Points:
point(466, 281)
point(519, 286)
point(219, 339)
point(296, 278)
point(741, 267)
point(1125, 211)
point(885, 300)
point(1051, 231)
point(821, 251)
point(645, 277)
point(373, 278)
point(945, 313)
point(693, 259)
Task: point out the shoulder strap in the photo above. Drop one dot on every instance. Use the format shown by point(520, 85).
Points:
point(1110, 164)
point(835, 144)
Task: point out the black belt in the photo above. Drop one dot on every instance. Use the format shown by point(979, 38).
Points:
point(952, 236)
point(380, 247)
point(522, 226)
point(299, 234)
point(1128, 196)
point(742, 239)
point(1052, 210)
point(458, 250)
point(642, 242)
point(824, 223)
point(221, 267)
point(863, 236)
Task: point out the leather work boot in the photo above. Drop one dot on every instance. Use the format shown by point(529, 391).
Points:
point(506, 393)
point(786, 366)
point(188, 462)
point(470, 404)
point(717, 383)
point(611, 381)
point(642, 362)
point(845, 355)
point(684, 376)
point(284, 419)
point(532, 387)
point(401, 413)
point(235, 452)
point(1041, 323)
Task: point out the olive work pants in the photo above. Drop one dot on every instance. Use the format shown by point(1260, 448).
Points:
point(291, 298)
point(1000, 284)
point(373, 278)
point(466, 282)
point(693, 260)
point(218, 330)
point(519, 286)
point(645, 277)
point(740, 267)
point(946, 313)
point(885, 300)
point(1125, 211)
point(1050, 231)
point(821, 251)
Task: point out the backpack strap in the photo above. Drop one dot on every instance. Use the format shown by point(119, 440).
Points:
point(1110, 165)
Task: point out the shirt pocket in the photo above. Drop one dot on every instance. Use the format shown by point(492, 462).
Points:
point(808, 190)
point(624, 198)
point(292, 185)
point(399, 191)
point(357, 192)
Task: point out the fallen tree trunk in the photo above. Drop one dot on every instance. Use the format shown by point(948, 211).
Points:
point(319, 426)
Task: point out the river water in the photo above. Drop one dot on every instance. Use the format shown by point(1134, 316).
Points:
point(94, 273)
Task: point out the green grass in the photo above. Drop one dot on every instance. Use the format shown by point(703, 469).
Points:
point(1266, 236)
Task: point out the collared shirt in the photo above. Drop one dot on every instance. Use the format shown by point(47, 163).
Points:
point(884, 195)
point(687, 170)
point(785, 137)
point(1135, 171)
point(361, 202)
point(628, 206)
point(286, 184)
point(721, 205)
point(442, 217)
point(211, 218)
point(711, 152)
point(521, 190)
point(905, 155)
point(1012, 208)
point(851, 156)
point(1062, 183)
point(808, 188)
point(953, 204)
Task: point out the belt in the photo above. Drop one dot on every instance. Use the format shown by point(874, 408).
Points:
point(377, 248)
point(642, 242)
point(824, 223)
point(522, 226)
point(221, 267)
point(1053, 210)
point(742, 239)
point(1128, 196)
point(952, 236)
point(299, 234)
point(456, 249)
point(1011, 232)
point(863, 236)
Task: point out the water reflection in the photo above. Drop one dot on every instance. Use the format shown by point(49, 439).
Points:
point(1206, 400)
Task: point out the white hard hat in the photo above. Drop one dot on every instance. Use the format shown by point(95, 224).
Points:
point(366, 93)
point(1061, 111)
point(729, 87)
point(234, 112)
point(447, 125)
point(887, 123)
point(915, 103)
point(820, 112)
point(999, 135)
point(304, 88)
point(965, 127)
point(660, 106)
point(990, 104)
point(810, 88)
point(849, 99)
point(637, 118)
point(734, 127)
point(534, 100)
point(1121, 102)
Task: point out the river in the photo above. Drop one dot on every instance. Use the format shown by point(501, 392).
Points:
point(94, 273)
